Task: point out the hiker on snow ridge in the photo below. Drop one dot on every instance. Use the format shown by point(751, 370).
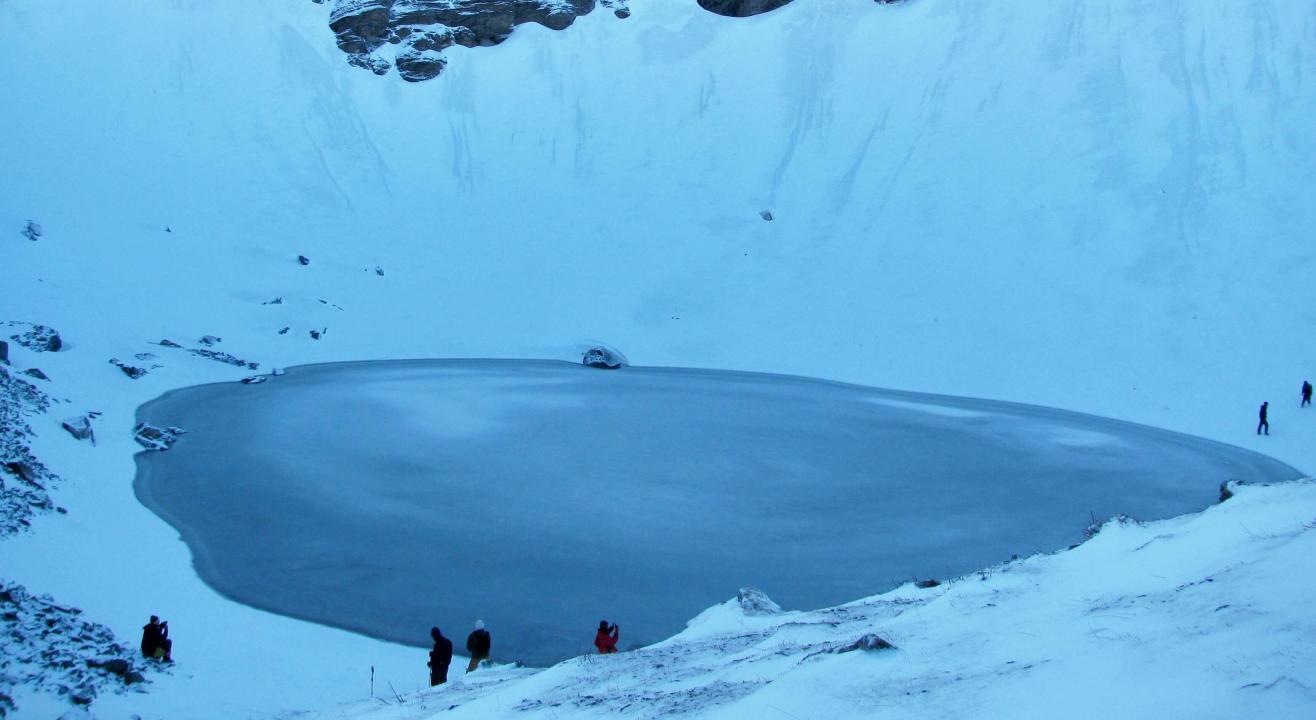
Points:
point(440, 658)
point(478, 645)
point(606, 638)
point(1306, 393)
point(1264, 423)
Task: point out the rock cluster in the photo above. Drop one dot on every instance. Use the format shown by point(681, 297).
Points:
point(754, 602)
point(603, 357)
point(49, 647)
point(25, 481)
point(154, 438)
point(37, 338)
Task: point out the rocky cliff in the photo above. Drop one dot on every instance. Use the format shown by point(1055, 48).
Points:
point(411, 35)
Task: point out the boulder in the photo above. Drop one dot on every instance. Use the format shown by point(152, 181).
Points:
point(603, 357)
point(211, 340)
point(36, 373)
point(80, 428)
point(766, 215)
point(741, 8)
point(303, 260)
point(168, 343)
point(253, 379)
point(4, 352)
point(755, 602)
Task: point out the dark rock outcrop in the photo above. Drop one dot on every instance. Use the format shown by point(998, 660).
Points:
point(422, 29)
point(36, 373)
point(741, 8)
point(4, 352)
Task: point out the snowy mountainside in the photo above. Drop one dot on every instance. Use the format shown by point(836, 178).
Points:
point(1088, 204)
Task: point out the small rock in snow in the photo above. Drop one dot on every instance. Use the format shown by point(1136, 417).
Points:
point(315, 334)
point(38, 338)
point(32, 231)
point(303, 260)
point(168, 343)
point(278, 371)
point(210, 340)
point(379, 271)
point(36, 373)
point(926, 584)
point(871, 641)
point(254, 379)
point(284, 331)
point(275, 301)
point(131, 371)
point(766, 215)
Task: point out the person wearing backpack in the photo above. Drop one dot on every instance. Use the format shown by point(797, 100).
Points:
point(478, 644)
point(606, 638)
point(440, 658)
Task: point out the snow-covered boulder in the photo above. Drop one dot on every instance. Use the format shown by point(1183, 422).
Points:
point(603, 357)
point(154, 438)
point(754, 602)
point(80, 428)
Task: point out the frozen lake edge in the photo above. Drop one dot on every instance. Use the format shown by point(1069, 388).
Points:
point(642, 495)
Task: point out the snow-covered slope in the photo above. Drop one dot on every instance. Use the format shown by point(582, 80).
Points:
point(1091, 204)
point(1201, 616)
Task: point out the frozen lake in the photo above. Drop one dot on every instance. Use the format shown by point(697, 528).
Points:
point(542, 496)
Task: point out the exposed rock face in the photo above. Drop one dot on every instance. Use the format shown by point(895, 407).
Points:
point(741, 8)
point(422, 29)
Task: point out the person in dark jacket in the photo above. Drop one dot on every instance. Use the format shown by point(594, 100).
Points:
point(606, 638)
point(478, 644)
point(1264, 422)
point(1306, 393)
point(155, 640)
point(440, 658)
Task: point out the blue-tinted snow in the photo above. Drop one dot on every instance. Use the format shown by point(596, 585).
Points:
point(544, 496)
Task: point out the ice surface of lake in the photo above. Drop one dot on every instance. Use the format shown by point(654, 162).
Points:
point(542, 497)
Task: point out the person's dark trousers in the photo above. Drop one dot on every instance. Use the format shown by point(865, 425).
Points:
point(1265, 425)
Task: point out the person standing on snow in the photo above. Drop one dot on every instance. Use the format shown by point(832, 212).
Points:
point(1306, 393)
point(1264, 423)
point(440, 658)
point(606, 638)
point(478, 644)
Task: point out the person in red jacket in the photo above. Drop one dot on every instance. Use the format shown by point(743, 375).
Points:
point(606, 638)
